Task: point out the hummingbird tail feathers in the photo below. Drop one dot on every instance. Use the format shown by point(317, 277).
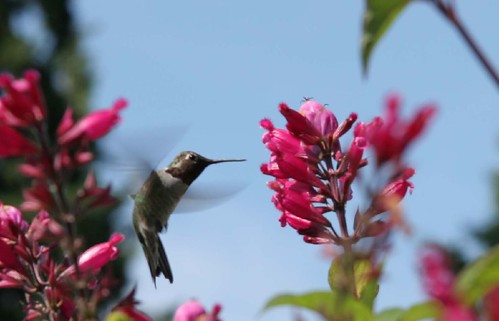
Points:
point(163, 264)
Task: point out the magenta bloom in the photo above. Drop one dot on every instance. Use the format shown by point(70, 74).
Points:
point(23, 103)
point(94, 258)
point(14, 144)
point(322, 119)
point(438, 280)
point(91, 127)
point(391, 136)
point(314, 174)
point(194, 311)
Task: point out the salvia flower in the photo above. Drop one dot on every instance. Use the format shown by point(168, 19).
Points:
point(93, 259)
point(91, 127)
point(391, 136)
point(22, 104)
point(438, 281)
point(193, 311)
point(314, 174)
point(13, 144)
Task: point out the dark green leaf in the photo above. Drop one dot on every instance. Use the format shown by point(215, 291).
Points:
point(330, 305)
point(378, 16)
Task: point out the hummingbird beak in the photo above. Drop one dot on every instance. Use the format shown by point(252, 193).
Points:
point(216, 161)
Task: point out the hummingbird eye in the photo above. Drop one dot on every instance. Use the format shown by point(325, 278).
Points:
point(192, 157)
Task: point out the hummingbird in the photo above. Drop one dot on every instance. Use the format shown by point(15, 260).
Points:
point(156, 200)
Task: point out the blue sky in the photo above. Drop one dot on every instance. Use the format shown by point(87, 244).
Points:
point(218, 67)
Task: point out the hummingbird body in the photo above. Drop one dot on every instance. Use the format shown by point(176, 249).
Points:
point(157, 199)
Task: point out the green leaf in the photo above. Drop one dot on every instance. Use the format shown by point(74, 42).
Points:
point(361, 281)
point(332, 306)
point(479, 277)
point(393, 314)
point(427, 310)
point(378, 16)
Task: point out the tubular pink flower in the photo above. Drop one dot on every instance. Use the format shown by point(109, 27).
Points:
point(94, 258)
point(11, 217)
point(392, 136)
point(94, 125)
point(189, 311)
point(14, 144)
point(37, 198)
point(438, 279)
point(281, 141)
point(398, 188)
point(9, 258)
point(321, 118)
point(32, 170)
point(66, 123)
point(301, 206)
point(43, 226)
point(193, 311)
point(23, 99)
point(300, 126)
point(297, 168)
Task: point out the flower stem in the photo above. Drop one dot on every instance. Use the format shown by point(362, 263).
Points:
point(448, 11)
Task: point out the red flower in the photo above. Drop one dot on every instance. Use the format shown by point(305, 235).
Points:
point(94, 258)
point(91, 127)
point(14, 144)
point(322, 119)
point(392, 136)
point(438, 280)
point(23, 103)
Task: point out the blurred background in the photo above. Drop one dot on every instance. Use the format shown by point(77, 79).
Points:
point(201, 75)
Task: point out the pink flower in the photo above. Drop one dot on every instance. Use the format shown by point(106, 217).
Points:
point(94, 258)
point(9, 259)
point(491, 302)
point(37, 198)
point(438, 281)
point(93, 126)
point(300, 126)
point(322, 119)
point(23, 103)
point(11, 217)
point(43, 227)
point(194, 311)
point(14, 144)
point(391, 136)
point(93, 196)
point(395, 191)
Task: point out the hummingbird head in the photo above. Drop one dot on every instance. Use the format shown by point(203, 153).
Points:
point(189, 165)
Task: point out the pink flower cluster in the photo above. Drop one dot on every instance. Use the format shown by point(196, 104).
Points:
point(55, 289)
point(28, 264)
point(23, 132)
point(314, 173)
